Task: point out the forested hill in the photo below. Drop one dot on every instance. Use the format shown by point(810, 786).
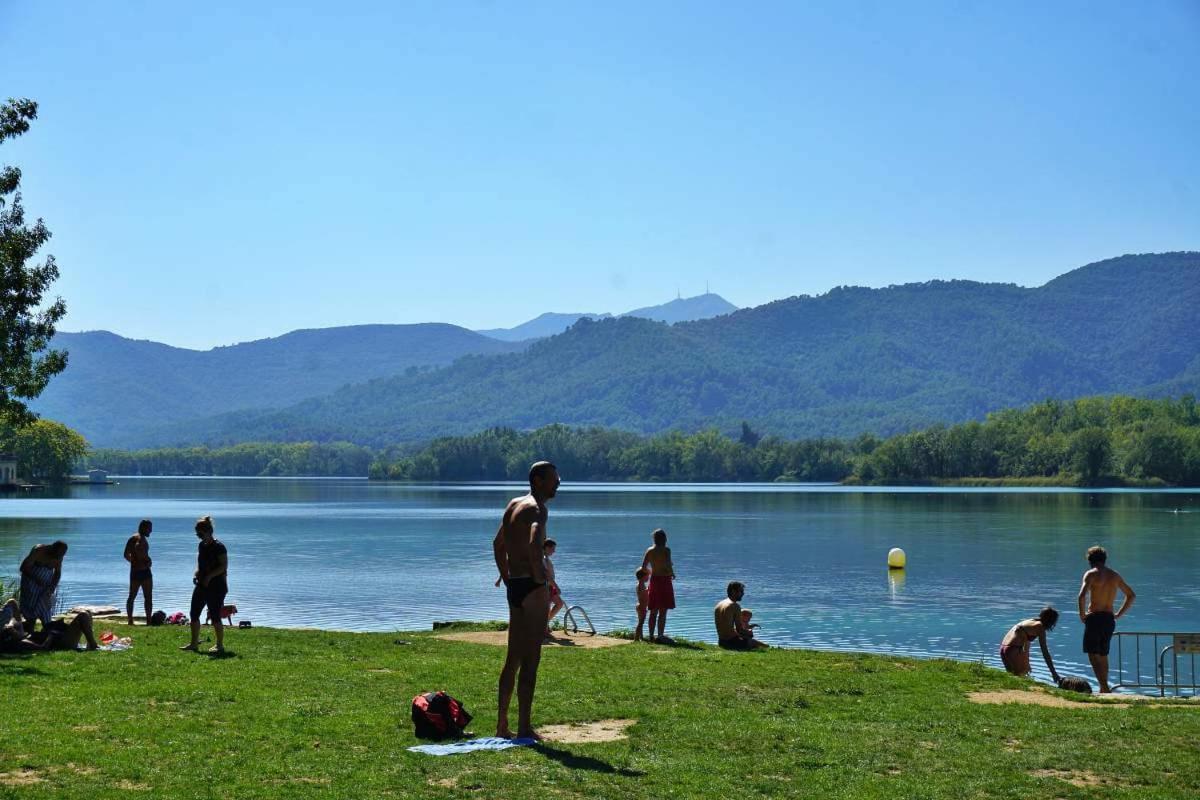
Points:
point(883, 360)
point(115, 388)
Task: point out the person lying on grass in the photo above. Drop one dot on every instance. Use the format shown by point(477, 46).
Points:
point(1014, 650)
point(57, 635)
point(732, 634)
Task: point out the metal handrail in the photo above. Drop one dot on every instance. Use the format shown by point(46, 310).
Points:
point(1159, 680)
point(569, 617)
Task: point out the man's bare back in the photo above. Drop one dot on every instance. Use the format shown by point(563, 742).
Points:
point(1102, 584)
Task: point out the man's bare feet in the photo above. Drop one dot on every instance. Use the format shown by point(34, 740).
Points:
point(530, 734)
point(190, 646)
point(504, 732)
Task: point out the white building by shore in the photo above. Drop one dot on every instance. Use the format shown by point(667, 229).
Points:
point(8, 469)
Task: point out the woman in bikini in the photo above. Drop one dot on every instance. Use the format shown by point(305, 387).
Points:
point(1014, 650)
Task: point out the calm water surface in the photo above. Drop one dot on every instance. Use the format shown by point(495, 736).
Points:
point(357, 556)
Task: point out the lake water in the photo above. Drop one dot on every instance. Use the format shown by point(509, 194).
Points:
point(354, 555)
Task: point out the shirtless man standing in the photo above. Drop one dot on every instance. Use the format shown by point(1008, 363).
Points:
point(518, 550)
point(137, 553)
point(1099, 622)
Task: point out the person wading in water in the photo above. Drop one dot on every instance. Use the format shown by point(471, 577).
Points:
point(518, 548)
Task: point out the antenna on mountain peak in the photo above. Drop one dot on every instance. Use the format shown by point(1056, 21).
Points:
point(678, 293)
point(706, 287)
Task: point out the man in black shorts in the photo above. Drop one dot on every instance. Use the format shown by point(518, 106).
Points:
point(212, 563)
point(1099, 622)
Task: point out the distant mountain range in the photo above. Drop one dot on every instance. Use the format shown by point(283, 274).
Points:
point(683, 309)
point(848, 361)
point(114, 388)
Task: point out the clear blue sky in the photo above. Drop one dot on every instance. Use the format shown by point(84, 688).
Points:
point(226, 171)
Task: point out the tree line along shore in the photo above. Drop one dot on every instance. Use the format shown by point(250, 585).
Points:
point(1094, 441)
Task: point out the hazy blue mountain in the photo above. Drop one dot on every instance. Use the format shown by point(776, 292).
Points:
point(683, 309)
point(851, 360)
point(114, 387)
point(548, 324)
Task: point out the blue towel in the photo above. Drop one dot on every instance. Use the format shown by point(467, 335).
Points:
point(470, 746)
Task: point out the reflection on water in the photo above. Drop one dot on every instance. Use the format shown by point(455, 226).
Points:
point(352, 555)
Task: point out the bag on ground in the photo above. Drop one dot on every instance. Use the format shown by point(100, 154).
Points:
point(437, 715)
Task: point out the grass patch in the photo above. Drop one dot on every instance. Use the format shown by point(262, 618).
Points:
point(319, 714)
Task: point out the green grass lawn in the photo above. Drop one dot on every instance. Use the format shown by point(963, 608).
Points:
point(317, 714)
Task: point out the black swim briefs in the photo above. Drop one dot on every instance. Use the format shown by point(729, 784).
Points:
point(1098, 629)
point(140, 575)
point(518, 589)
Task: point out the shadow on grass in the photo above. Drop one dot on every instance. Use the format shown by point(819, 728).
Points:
point(575, 761)
point(18, 664)
point(677, 644)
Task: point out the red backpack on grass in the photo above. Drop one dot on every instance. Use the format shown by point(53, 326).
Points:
point(437, 715)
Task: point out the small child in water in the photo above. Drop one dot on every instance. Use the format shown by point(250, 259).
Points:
point(642, 574)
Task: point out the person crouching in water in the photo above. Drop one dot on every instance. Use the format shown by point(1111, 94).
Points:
point(1014, 650)
point(212, 564)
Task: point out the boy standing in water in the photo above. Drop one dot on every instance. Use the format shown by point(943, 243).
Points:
point(137, 553)
point(662, 590)
point(642, 601)
point(1099, 623)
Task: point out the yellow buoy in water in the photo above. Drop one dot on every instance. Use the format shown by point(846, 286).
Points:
point(896, 558)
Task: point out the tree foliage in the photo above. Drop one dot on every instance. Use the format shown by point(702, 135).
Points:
point(45, 450)
point(26, 324)
point(252, 459)
point(1090, 441)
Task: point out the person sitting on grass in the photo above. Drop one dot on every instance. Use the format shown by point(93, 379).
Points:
point(731, 632)
point(556, 601)
point(1014, 650)
point(12, 627)
point(747, 625)
point(642, 574)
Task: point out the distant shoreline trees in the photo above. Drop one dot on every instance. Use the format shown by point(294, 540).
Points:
point(1095, 441)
